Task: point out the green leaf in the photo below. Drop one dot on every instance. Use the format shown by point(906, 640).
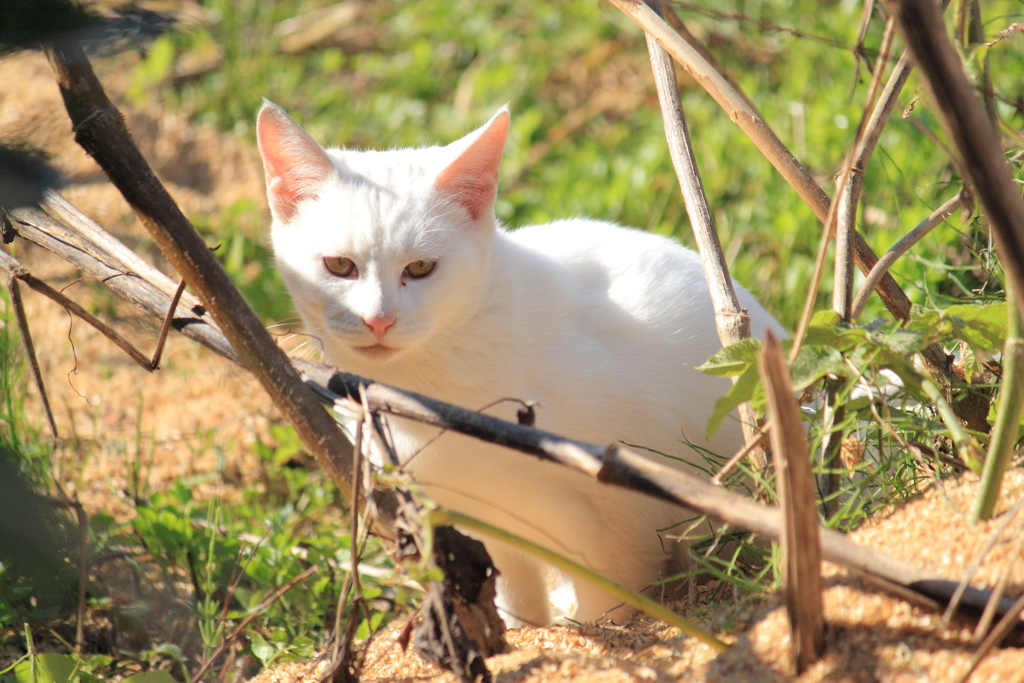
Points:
point(904, 342)
point(823, 328)
point(931, 325)
point(733, 360)
point(739, 392)
point(261, 649)
point(814, 362)
point(984, 327)
point(172, 651)
point(50, 667)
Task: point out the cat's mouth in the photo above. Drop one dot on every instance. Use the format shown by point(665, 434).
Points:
point(376, 351)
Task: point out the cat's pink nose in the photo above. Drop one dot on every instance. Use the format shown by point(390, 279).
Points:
point(379, 325)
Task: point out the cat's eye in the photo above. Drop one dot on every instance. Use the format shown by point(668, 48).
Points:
point(418, 269)
point(341, 266)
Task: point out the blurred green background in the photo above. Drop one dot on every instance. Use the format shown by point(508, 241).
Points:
point(587, 137)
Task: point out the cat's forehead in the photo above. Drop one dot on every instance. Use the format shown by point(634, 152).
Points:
point(380, 211)
point(397, 170)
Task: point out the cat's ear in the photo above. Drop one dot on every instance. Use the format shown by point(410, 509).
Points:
point(296, 166)
point(471, 179)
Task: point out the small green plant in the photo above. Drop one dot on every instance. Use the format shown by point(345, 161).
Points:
point(891, 410)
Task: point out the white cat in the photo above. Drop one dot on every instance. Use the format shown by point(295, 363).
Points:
point(399, 268)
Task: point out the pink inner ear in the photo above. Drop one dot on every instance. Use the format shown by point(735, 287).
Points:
point(472, 179)
point(295, 165)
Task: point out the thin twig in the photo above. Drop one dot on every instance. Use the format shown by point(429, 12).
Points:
point(11, 266)
point(1002, 629)
point(249, 618)
point(812, 295)
point(749, 446)
point(26, 339)
point(341, 652)
point(900, 248)
point(973, 569)
point(849, 198)
point(985, 622)
point(858, 48)
point(680, 26)
point(166, 327)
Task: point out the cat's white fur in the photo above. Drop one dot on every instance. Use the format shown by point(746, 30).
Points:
point(600, 325)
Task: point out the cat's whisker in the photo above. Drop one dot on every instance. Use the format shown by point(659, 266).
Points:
point(287, 322)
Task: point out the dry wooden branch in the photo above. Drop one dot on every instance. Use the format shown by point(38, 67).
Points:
point(1004, 523)
point(83, 243)
point(977, 142)
point(801, 550)
point(621, 467)
point(731, 320)
point(100, 130)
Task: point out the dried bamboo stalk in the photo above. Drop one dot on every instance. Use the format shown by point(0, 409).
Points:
point(731, 320)
point(849, 198)
point(801, 549)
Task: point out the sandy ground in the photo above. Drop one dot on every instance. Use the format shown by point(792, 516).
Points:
point(198, 416)
point(872, 636)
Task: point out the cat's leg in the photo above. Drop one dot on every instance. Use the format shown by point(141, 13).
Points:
point(522, 586)
point(628, 551)
point(596, 605)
